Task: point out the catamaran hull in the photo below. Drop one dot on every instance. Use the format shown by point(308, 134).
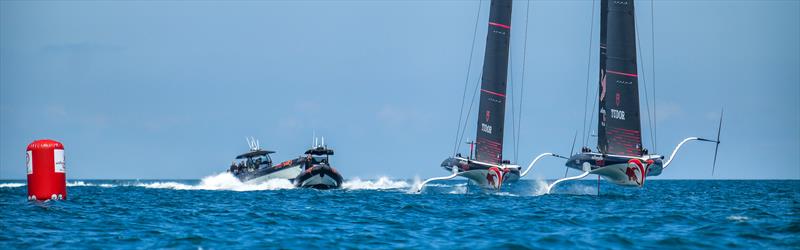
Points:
point(620, 170)
point(483, 174)
point(319, 177)
point(489, 178)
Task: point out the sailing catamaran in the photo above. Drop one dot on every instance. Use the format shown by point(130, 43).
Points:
point(312, 170)
point(488, 168)
point(621, 158)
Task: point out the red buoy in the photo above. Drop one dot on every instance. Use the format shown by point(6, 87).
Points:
point(46, 170)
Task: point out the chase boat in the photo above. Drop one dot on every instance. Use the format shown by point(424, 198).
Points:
point(317, 171)
point(310, 171)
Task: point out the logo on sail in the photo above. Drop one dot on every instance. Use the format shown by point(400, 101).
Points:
point(618, 114)
point(484, 127)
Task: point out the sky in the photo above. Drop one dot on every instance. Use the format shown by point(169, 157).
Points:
point(169, 89)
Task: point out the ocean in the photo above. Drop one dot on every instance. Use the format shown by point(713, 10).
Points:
point(218, 212)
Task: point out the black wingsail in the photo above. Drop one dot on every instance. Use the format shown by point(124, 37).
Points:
point(619, 128)
point(491, 114)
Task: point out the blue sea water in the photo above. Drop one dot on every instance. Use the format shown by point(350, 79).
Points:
point(220, 213)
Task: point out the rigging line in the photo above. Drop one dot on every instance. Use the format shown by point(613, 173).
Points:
point(522, 83)
point(644, 76)
point(594, 111)
point(653, 78)
point(588, 70)
point(469, 112)
point(591, 117)
point(466, 81)
point(511, 98)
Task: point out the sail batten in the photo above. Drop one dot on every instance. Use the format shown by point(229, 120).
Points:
point(619, 125)
point(491, 116)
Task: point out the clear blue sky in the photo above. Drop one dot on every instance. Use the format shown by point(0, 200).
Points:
point(170, 89)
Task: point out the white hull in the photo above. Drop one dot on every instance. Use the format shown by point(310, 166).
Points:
point(286, 173)
point(485, 178)
point(617, 174)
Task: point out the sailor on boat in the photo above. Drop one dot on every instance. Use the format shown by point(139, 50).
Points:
point(488, 168)
point(620, 157)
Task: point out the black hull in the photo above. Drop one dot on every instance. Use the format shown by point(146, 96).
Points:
point(319, 176)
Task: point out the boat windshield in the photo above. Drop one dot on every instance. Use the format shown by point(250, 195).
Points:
point(319, 159)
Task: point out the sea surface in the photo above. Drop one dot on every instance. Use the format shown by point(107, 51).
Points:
point(218, 212)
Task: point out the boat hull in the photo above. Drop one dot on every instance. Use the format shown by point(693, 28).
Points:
point(264, 174)
point(483, 174)
point(620, 170)
point(320, 177)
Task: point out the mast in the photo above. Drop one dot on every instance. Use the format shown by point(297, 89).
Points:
point(491, 113)
point(619, 126)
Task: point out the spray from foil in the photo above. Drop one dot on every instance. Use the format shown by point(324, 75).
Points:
point(415, 185)
point(539, 187)
point(380, 184)
point(573, 188)
point(449, 188)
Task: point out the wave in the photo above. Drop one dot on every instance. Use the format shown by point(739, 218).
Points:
point(12, 185)
point(222, 181)
point(380, 184)
point(79, 184)
point(69, 184)
point(84, 184)
point(458, 189)
point(737, 218)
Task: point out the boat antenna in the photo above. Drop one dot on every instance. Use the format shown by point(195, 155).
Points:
point(716, 149)
point(252, 143)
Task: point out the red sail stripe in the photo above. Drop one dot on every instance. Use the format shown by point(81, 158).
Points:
point(499, 25)
point(493, 93)
point(622, 73)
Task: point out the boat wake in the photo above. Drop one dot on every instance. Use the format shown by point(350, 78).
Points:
point(381, 184)
point(575, 189)
point(222, 181)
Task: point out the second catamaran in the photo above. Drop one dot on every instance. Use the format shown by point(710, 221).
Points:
point(620, 157)
point(488, 168)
